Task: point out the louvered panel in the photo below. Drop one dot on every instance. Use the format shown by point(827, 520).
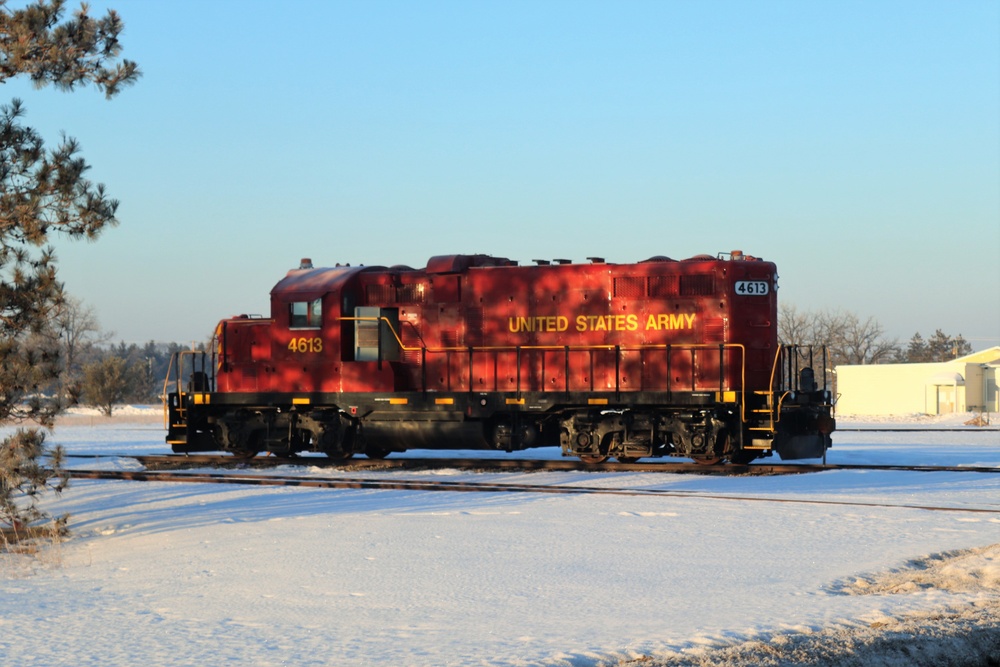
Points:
point(379, 295)
point(407, 294)
point(663, 286)
point(715, 330)
point(474, 323)
point(630, 287)
point(411, 344)
point(698, 285)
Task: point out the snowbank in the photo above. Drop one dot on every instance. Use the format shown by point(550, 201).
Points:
point(958, 635)
point(917, 421)
point(121, 414)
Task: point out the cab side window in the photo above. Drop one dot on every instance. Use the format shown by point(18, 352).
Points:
point(305, 314)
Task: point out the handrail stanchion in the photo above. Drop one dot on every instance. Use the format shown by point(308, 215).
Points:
point(566, 352)
point(618, 374)
point(722, 376)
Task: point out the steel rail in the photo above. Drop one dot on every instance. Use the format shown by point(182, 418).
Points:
point(968, 429)
point(483, 487)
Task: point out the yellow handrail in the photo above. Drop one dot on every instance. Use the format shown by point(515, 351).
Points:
point(570, 348)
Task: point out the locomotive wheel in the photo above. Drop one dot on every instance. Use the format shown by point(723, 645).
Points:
point(377, 452)
point(721, 445)
point(627, 459)
point(707, 460)
point(593, 458)
point(339, 457)
point(245, 454)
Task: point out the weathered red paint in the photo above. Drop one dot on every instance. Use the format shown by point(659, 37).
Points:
point(656, 358)
point(559, 316)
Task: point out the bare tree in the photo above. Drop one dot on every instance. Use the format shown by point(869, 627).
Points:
point(848, 338)
point(863, 342)
point(795, 327)
point(78, 327)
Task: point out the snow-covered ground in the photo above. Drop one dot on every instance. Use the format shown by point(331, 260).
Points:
point(720, 573)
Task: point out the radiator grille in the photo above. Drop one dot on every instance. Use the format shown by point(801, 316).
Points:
point(630, 287)
point(698, 285)
point(663, 286)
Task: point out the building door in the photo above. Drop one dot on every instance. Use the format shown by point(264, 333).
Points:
point(946, 399)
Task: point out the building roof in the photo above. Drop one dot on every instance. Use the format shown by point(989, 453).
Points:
point(989, 355)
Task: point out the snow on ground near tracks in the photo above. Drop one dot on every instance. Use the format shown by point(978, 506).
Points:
point(175, 573)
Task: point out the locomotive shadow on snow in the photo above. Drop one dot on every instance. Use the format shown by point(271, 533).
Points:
point(177, 506)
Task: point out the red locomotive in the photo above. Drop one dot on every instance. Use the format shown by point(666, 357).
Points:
point(657, 358)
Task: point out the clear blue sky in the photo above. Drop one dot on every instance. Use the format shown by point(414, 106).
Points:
point(855, 144)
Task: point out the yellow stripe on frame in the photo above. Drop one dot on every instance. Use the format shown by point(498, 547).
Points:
point(444, 401)
point(725, 396)
point(301, 401)
point(398, 401)
point(597, 401)
point(515, 401)
point(202, 399)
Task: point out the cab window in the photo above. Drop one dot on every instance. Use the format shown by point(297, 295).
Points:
point(305, 314)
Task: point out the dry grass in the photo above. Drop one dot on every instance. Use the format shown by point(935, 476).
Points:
point(980, 420)
point(25, 549)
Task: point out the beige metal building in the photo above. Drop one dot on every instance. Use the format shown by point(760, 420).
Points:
point(965, 384)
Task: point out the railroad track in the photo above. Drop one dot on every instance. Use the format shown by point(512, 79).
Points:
point(189, 461)
point(480, 487)
point(977, 429)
